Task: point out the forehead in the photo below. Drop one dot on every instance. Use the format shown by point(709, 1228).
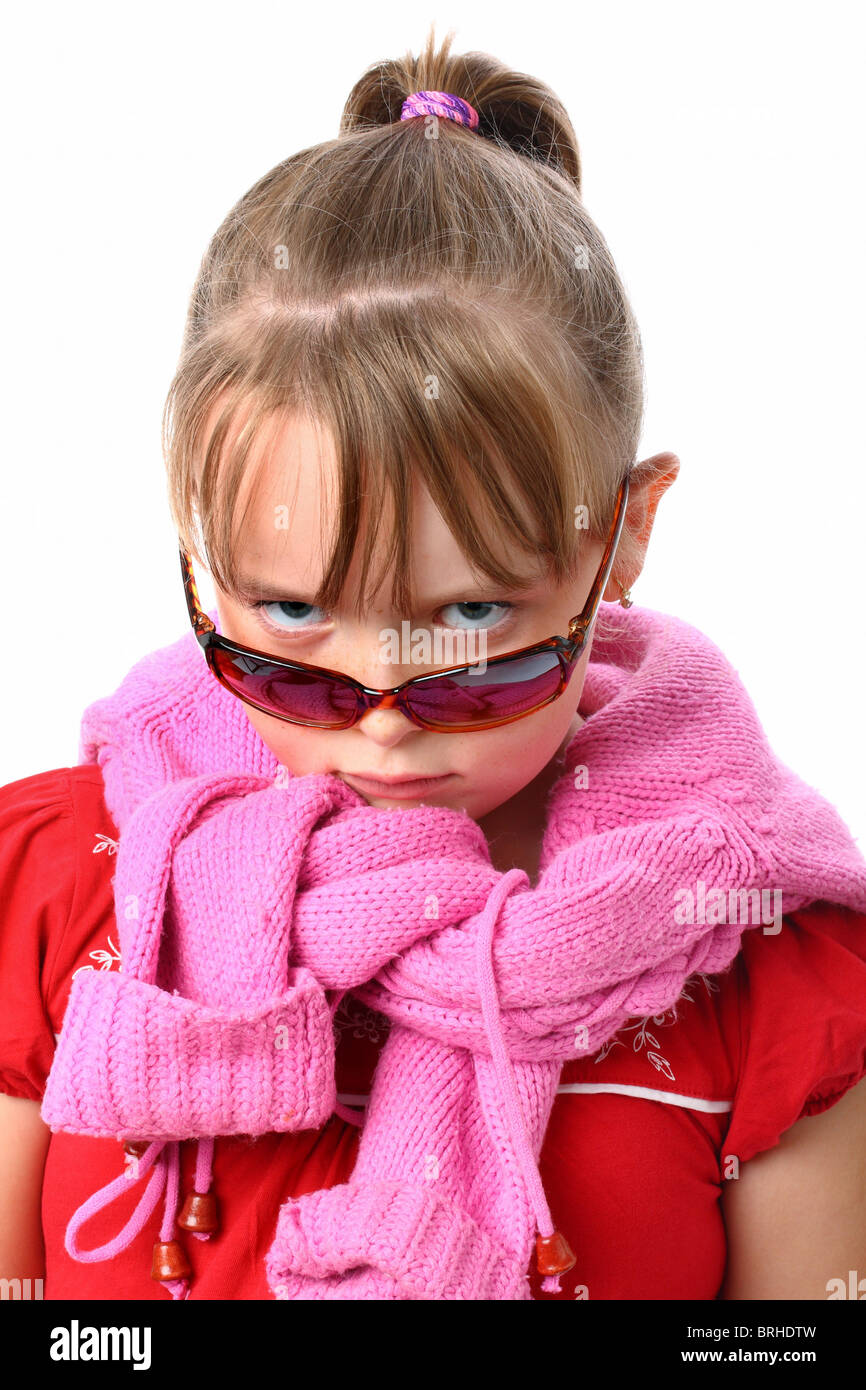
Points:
point(287, 508)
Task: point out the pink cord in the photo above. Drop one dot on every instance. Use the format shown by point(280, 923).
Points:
point(149, 1198)
point(502, 1063)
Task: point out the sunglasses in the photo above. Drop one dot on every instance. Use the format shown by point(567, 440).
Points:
point(457, 700)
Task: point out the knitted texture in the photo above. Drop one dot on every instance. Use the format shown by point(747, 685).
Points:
point(244, 894)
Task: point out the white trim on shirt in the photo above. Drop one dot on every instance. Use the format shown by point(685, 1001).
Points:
point(712, 1107)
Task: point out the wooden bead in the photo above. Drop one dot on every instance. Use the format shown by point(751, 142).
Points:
point(554, 1255)
point(199, 1213)
point(170, 1261)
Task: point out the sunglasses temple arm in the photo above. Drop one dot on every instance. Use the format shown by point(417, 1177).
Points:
point(579, 627)
point(201, 623)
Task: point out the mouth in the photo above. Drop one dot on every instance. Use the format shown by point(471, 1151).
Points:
point(397, 788)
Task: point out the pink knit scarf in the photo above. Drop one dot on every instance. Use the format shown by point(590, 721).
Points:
point(244, 895)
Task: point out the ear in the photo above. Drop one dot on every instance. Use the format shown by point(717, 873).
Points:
point(649, 480)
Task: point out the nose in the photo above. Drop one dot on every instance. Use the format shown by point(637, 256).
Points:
point(385, 727)
point(385, 724)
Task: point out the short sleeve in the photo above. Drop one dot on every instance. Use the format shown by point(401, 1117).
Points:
point(802, 1023)
point(37, 887)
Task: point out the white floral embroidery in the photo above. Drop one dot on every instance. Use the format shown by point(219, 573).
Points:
point(364, 1022)
point(105, 959)
point(709, 985)
point(643, 1036)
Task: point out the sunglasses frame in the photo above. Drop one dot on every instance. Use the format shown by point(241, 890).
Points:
point(567, 649)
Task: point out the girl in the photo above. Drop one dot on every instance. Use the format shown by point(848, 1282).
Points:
point(391, 939)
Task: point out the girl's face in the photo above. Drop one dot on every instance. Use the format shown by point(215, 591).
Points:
point(282, 557)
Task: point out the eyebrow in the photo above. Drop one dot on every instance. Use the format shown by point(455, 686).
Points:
point(248, 587)
point(254, 588)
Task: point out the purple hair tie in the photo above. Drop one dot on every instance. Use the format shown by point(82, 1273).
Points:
point(440, 104)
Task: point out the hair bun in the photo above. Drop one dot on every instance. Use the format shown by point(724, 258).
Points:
point(514, 109)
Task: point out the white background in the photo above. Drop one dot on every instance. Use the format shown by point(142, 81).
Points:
point(723, 161)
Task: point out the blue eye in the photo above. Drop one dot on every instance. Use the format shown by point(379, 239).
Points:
point(479, 614)
point(290, 614)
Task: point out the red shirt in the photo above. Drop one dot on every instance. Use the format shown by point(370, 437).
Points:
point(641, 1136)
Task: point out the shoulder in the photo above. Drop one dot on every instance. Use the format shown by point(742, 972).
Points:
point(37, 844)
point(51, 826)
point(803, 1034)
point(794, 1215)
point(793, 1184)
point(57, 840)
point(46, 803)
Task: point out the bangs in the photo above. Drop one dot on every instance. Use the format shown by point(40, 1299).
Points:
point(482, 401)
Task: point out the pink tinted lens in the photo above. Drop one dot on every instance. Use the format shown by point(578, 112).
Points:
point(288, 694)
point(477, 697)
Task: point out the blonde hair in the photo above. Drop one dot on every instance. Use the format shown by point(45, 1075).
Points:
point(445, 306)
